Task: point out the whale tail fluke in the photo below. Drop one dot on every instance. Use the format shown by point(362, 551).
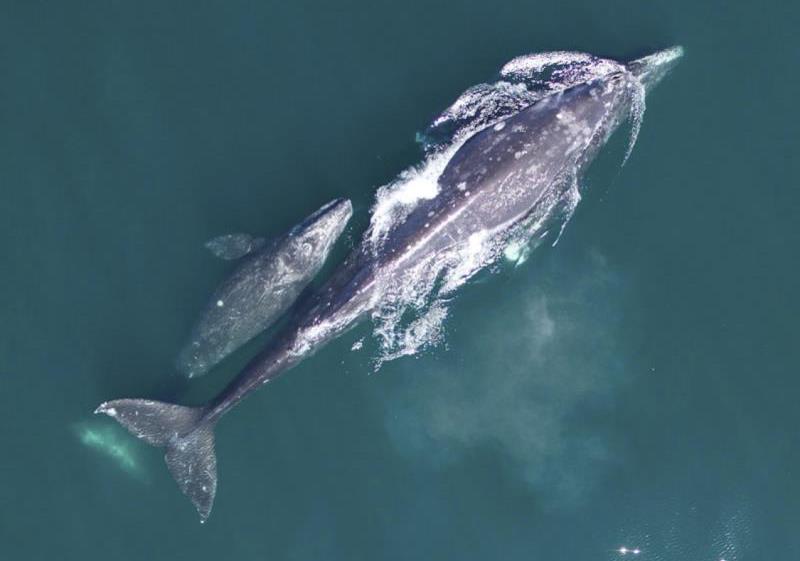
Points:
point(188, 439)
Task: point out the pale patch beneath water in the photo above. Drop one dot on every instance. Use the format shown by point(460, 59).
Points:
point(112, 442)
point(516, 252)
point(523, 374)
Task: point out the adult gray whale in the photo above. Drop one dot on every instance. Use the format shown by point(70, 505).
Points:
point(262, 287)
point(505, 177)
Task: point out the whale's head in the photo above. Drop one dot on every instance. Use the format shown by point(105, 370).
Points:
point(651, 69)
point(314, 237)
point(619, 96)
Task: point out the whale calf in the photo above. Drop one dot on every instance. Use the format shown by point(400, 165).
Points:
point(499, 185)
point(263, 286)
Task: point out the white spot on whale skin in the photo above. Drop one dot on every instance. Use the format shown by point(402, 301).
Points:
point(220, 303)
point(111, 412)
point(500, 126)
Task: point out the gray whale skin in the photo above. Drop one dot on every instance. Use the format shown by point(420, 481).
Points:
point(267, 281)
point(507, 168)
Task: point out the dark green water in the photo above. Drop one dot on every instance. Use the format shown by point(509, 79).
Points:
point(633, 386)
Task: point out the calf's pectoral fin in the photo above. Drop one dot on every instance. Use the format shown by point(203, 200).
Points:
point(234, 246)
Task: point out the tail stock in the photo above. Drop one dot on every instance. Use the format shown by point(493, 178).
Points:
point(188, 439)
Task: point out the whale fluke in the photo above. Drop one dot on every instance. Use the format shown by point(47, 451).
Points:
point(187, 437)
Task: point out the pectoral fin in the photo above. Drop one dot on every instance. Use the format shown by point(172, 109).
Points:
point(234, 246)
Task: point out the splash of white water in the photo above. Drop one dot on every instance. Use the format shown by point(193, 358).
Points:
point(636, 116)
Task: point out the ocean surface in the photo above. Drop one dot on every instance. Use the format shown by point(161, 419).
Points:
point(629, 393)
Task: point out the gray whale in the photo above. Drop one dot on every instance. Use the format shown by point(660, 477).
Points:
point(265, 283)
point(504, 177)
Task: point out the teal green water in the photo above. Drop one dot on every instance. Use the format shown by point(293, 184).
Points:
point(635, 386)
